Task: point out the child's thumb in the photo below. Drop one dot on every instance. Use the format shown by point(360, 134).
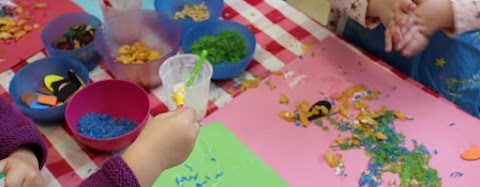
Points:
point(187, 113)
point(3, 163)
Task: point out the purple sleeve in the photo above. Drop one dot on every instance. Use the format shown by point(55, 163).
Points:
point(115, 172)
point(17, 130)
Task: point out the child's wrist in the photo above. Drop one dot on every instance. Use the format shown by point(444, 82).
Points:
point(145, 164)
point(26, 154)
point(447, 21)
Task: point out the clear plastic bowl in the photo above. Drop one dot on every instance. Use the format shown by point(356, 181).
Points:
point(156, 30)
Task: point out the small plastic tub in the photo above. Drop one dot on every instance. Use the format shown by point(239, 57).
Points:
point(169, 7)
point(222, 70)
point(117, 98)
point(31, 77)
point(55, 29)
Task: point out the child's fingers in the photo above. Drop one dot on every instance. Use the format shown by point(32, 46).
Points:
point(187, 114)
point(33, 181)
point(423, 29)
point(407, 5)
point(167, 114)
point(170, 114)
point(388, 40)
point(2, 165)
point(14, 178)
point(416, 45)
point(399, 16)
point(409, 21)
point(407, 37)
point(394, 32)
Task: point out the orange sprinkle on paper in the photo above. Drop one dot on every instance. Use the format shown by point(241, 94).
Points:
point(472, 153)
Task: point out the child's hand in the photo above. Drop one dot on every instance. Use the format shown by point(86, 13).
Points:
point(433, 15)
point(21, 169)
point(166, 141)
point(413, 41)
point(392, 14)
point(427, 21)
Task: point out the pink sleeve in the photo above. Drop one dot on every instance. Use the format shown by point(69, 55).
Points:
point(355, 9)
point(115, 172)
point(466, 15)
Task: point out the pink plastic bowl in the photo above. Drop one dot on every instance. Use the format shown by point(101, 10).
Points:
point(118, 98)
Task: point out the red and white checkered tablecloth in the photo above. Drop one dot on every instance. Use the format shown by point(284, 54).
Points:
point(282, 33)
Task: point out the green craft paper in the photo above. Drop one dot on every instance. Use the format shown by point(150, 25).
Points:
point(220, 159)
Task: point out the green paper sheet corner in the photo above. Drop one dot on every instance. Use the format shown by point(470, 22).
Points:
point(220, 159)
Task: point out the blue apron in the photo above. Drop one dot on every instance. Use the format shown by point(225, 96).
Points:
point(448, 66)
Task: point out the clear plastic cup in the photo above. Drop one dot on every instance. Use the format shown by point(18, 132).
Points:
point(177, 69)
point(118, 6)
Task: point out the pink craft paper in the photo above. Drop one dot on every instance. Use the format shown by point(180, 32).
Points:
point(296, 153)
point(15, 52)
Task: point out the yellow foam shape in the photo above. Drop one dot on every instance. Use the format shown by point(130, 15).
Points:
point(49, 79)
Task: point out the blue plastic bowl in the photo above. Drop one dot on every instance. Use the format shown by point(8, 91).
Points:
point(169, 7)
point(88, 55)
point(222, 71)
point(30, 78)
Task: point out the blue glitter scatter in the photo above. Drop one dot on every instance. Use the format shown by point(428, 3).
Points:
point(213, 159)
point(452, 124)
point(435, 152)
point(332, 101)
point(372, 177)
point(344, 127)
point(194, 177)
point(456, 174)
point(367, 180)
point(104, 126)
point(219, 175)
point(357, 97)
point(189, 167)
point(423, 149)
point(207, 177)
